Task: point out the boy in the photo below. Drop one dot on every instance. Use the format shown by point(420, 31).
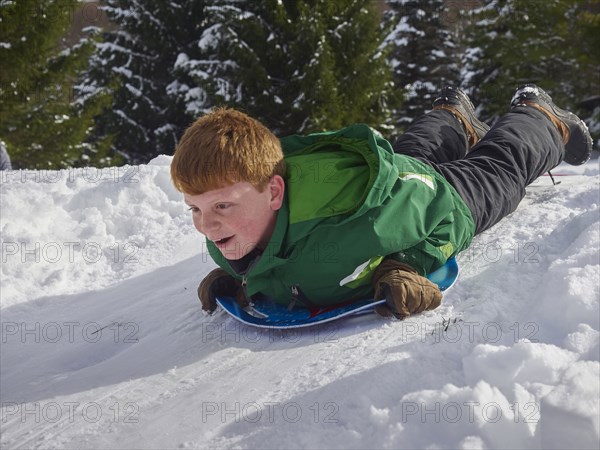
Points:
point(341, 216)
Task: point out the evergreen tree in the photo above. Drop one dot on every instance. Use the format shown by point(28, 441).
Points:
point(297, 65)
point(142, 63)
point(42, 121)
point(347, 79)
point(553, 43)
point(423, 54)
point(587, 62)
point(206, 68)
point(302, 65)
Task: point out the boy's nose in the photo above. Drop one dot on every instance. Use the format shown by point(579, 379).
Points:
point(209, 223)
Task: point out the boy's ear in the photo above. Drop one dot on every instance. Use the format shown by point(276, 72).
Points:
point(277, 189)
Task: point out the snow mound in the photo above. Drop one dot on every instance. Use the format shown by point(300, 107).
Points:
point(104, 344)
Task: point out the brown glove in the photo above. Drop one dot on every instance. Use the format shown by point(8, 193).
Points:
point(405, 291)
point(219, 283)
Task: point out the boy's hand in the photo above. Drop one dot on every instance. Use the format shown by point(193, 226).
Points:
point(219, 283)
point(405, 291)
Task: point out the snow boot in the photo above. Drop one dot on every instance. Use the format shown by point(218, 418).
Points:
point(574, 132)
point(458, 103)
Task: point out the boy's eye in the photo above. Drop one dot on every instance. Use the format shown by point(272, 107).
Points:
point(223, 205)
point(193, 209)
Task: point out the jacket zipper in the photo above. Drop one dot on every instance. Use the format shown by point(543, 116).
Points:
point(298, 296)
point(245, 278)
point(294, 300)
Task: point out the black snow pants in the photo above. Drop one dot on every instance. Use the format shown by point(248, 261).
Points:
point(492, 177)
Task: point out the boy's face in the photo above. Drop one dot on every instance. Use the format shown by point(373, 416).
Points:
point(237, 218)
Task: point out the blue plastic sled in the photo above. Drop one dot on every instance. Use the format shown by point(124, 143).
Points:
point(268, 314)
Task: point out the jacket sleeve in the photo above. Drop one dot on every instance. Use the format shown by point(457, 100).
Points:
point(430, 219)
point(426, 256)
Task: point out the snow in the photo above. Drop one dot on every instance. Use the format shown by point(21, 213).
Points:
point(195, 100)
point(182, 59)
point(210, 37)
point(127, 73)
point(104, 344)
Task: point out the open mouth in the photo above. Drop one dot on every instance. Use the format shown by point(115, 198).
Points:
point(224, 241)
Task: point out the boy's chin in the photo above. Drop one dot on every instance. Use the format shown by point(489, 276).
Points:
point(230, 257)
point(236, 254)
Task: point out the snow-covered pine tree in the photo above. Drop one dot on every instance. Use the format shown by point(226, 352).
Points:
point(143, 63)
point(206, 72)
point(550, 43)
point(301, 65)
point(347, 79)
point(423, 54)
point(43, 123)
point(587, 88)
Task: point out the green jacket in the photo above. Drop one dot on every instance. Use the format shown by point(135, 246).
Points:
point(350, 201)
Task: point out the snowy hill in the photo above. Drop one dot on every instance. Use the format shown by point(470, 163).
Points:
point(104, 344)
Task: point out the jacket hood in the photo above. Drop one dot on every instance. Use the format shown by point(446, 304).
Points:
point(345, 172)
